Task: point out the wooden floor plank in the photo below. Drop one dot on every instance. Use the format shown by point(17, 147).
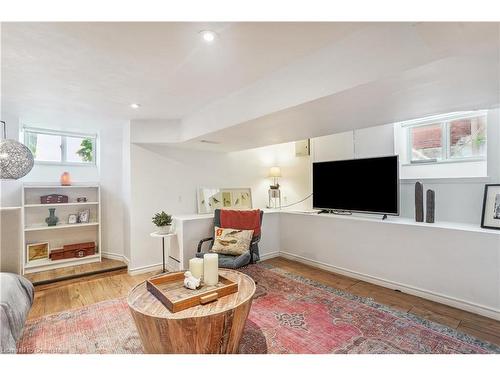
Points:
point(56, 300)
point(385, 296)
point(489, 326)
point(328, 278)
point(480, 333)
point(38, 308)
point(80, 295)
point(435, 317)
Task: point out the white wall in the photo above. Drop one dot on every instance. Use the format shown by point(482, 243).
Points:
point(166, 178)
point(10, 195)
point(108, 174)
point(457, 200)
point(126, 191)
point(333, 147)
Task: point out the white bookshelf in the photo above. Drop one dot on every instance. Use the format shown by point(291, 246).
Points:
point(35, 230)
point(62, 204)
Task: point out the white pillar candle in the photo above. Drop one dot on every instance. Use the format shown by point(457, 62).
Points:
point(211, 269)
point(196, 267)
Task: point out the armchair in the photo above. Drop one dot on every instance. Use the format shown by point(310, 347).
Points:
point(231, 261)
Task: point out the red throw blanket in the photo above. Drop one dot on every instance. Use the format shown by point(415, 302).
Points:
point(241, 220)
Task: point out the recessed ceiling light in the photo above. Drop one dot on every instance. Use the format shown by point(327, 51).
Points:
point(135, 105)
point(208, 36)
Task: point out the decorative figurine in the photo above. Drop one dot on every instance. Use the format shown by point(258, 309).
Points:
point(52, 219)
point(431, 206)
point(190, 281)
point(65, 179)
point(419, 202)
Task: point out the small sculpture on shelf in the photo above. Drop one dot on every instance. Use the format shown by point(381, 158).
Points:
point(419, 202)
point(190, 281)
point(52, 219)
point(53, 199)
point(431, 206)
point(65, 179)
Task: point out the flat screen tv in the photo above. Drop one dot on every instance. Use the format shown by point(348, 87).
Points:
point(358, 185)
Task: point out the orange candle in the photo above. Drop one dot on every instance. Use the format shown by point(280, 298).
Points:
point(65, 179)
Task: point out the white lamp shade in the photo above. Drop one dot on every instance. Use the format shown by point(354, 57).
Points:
point(16, 160)
point(275, 172)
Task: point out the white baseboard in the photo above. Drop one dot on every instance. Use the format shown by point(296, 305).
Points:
point(115, 256)
point(149, 268)
point(273, 254)
point(144, 269)
point(436, 297)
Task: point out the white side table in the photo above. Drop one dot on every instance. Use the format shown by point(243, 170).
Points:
point(163, 236)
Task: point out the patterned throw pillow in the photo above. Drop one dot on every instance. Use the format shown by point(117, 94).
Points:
point(231, 241)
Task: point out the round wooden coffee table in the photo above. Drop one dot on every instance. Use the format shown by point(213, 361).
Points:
point(212, 328)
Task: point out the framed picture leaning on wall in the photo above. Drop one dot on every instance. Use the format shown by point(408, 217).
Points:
point(230, 198)
point(84, 216)
point(491, 207)
point(37, 251)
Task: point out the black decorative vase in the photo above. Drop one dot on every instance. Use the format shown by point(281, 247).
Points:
point(419, 202)
point(431, 206)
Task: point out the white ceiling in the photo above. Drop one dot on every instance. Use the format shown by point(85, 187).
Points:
point(66, 72)
point(260, 83)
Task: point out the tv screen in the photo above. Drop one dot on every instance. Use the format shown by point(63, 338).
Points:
point(358, 185)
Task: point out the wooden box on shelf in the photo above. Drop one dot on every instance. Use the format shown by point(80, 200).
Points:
point(169, 289)
point(53, 199)
point(78, 250)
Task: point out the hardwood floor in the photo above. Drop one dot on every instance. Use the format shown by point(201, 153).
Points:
point(65, 273)
point(82, 293)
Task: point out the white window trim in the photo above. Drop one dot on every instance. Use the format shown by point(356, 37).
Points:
point(64, 135)
point(444, 121)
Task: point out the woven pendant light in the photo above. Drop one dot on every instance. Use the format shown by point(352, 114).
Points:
point(16, 160)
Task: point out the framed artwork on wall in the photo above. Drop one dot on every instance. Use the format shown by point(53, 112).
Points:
point(231, 198)
point(491, 207)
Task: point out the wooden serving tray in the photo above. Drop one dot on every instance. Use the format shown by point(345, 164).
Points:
point(170, 290)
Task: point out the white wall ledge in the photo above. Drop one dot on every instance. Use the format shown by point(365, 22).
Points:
point(398, 220)
point(187, 217)
point(447, 180)
point(394, 220)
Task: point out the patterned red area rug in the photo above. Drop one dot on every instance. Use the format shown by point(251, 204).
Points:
point(290, 314)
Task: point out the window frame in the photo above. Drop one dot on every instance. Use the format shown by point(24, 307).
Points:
point(64, 135)
point(444, 121)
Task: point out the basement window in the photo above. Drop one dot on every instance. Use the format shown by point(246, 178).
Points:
point(449, 145)
point(455, 139)
point(63, 148)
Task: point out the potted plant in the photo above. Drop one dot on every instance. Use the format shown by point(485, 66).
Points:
point(163, 221)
